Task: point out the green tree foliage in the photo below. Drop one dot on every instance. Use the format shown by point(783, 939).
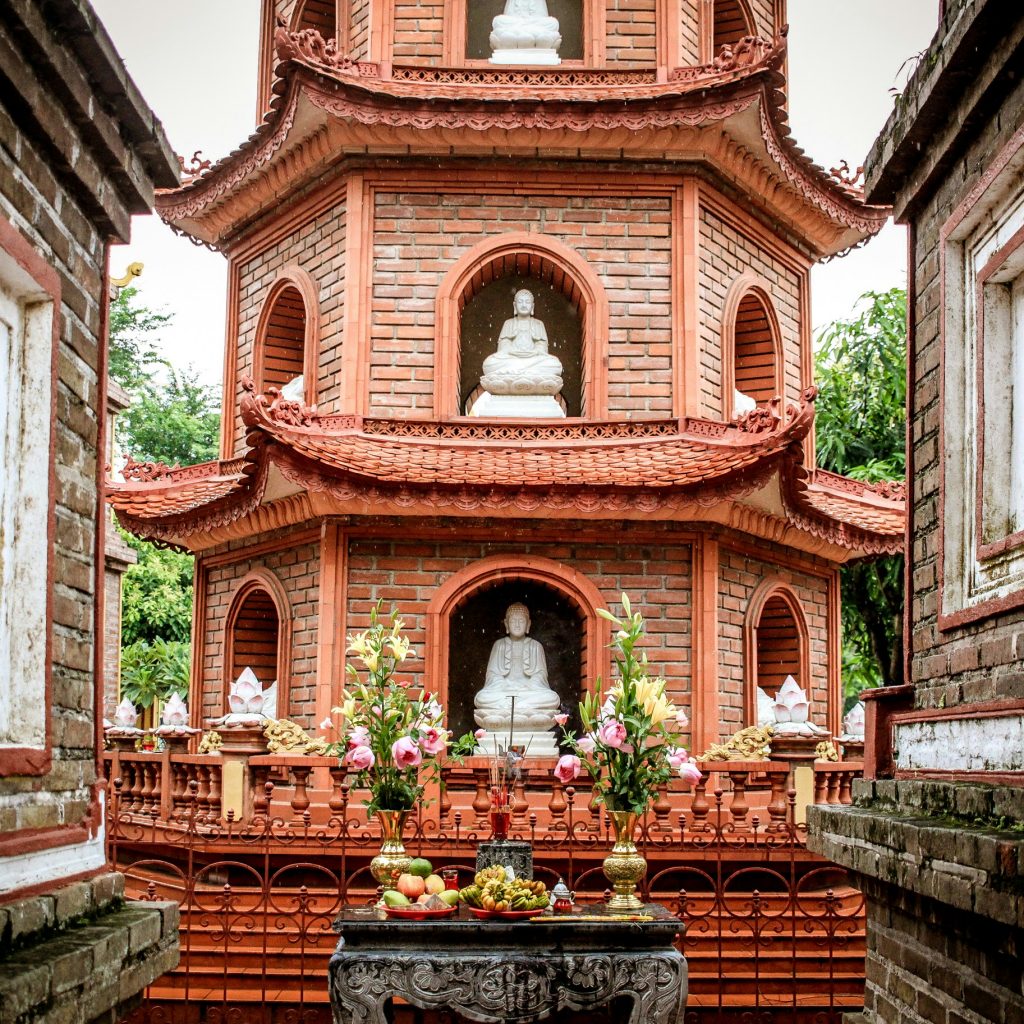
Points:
point(174, 421)
point(861, 432)
point(151, 671)
point(173, 418)
point(156, 595)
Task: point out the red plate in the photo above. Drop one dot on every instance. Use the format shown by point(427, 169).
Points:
point(419, 913)
point(505, 915)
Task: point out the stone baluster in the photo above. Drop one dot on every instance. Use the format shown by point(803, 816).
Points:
point(300, 795)
point(662, 809)
point(820, 786)
point(152, 770)
point(336, 801)
point(779, 781)
point(143, 791)
point(202, 793)
point(557, 805)
point(481, 799)
point(213, 794)
point(738, 805)
point(179, 784)
point(699, 805)
point(834, 779)
point(846, 787)
point(260, 796)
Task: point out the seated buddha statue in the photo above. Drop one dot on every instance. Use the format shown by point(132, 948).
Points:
point(525, 34)
point(517, 668)
point(522, 365)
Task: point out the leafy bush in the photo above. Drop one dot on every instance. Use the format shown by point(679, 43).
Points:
point(153, 671)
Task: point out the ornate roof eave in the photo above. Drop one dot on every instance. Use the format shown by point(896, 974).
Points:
point(284, 436)
point(324, 108)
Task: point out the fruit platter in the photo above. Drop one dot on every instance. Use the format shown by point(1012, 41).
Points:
point(494, 894)
point(419, 894)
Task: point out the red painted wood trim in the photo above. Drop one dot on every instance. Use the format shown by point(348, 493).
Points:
point(879, 706)
point(38, 760)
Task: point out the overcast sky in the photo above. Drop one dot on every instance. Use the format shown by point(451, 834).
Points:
point(196, 68)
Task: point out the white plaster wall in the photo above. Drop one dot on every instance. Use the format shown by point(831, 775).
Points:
point(25, 410)
point(962, 744)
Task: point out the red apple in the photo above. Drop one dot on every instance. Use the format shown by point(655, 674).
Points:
point(411, 886)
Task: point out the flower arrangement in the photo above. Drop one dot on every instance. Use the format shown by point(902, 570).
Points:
point(393, 736)
point(630, 743)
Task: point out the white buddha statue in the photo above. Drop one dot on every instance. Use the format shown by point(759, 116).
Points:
point(522, 378)
point(525, 34)
point(518, 669)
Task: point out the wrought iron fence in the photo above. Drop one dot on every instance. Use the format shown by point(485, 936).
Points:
point(772, 933)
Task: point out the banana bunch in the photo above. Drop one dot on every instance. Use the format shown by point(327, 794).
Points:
point(492, 891)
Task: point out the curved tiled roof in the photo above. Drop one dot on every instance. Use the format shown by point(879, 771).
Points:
point(314, 81)
point(488, 465)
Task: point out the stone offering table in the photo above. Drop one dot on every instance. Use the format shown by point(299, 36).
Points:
point(499, 971)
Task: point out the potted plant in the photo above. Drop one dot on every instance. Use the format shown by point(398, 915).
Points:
point(630, 746)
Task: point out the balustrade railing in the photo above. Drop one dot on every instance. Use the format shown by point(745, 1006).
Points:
point(163, 787)
point(773, 934)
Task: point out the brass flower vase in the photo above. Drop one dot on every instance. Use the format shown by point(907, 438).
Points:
point(624, 866)
point(392, 860)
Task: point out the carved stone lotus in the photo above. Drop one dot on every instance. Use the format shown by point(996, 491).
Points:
point(791, 704)
point(125, 716)
point(853, 723)
point(246, 694)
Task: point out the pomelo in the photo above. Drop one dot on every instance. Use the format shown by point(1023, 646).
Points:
point(420, 866)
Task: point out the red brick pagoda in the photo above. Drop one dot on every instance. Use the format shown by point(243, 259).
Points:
point(403, 186)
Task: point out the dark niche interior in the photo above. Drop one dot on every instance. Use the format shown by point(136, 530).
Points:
point(481, 13)
point(555, 622)
point(482, 320)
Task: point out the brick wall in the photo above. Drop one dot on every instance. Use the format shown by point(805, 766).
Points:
point(725, 254)
point(418, 31)
point(657, 578)
point(764, 17)
point(419, 236)
point(359, 29)
point(689, 36)
point(298, 569)
point(739, 577)
point(632, 33)
point(981, 661)
point(318, 246)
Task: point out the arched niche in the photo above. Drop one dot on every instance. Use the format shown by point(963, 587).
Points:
point(316, 14)
point(731, 21)
point(775, 645)
point(287, 334)
point(476, 598)
point(752, 358)
point(557, 275)
point(257, 635)
point(556, 302)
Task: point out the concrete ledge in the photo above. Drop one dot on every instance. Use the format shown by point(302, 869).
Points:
point(79, 954)
point(936, 852)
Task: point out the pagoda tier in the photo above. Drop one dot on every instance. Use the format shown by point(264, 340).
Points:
point(749, 475)
point(728, 116)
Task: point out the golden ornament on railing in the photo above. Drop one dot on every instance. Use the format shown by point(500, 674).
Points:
point(750, 744)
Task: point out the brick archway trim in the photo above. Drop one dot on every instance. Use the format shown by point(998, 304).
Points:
point(292, 277)
point(496, 568)
point(267, 581)
point(766, 590)
point(744, 285)
point(537, 251)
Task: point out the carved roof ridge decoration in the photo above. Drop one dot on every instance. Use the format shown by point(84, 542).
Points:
point(885, 490)
point(355, 93)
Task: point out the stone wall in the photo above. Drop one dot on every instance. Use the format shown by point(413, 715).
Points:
point(80, 953)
